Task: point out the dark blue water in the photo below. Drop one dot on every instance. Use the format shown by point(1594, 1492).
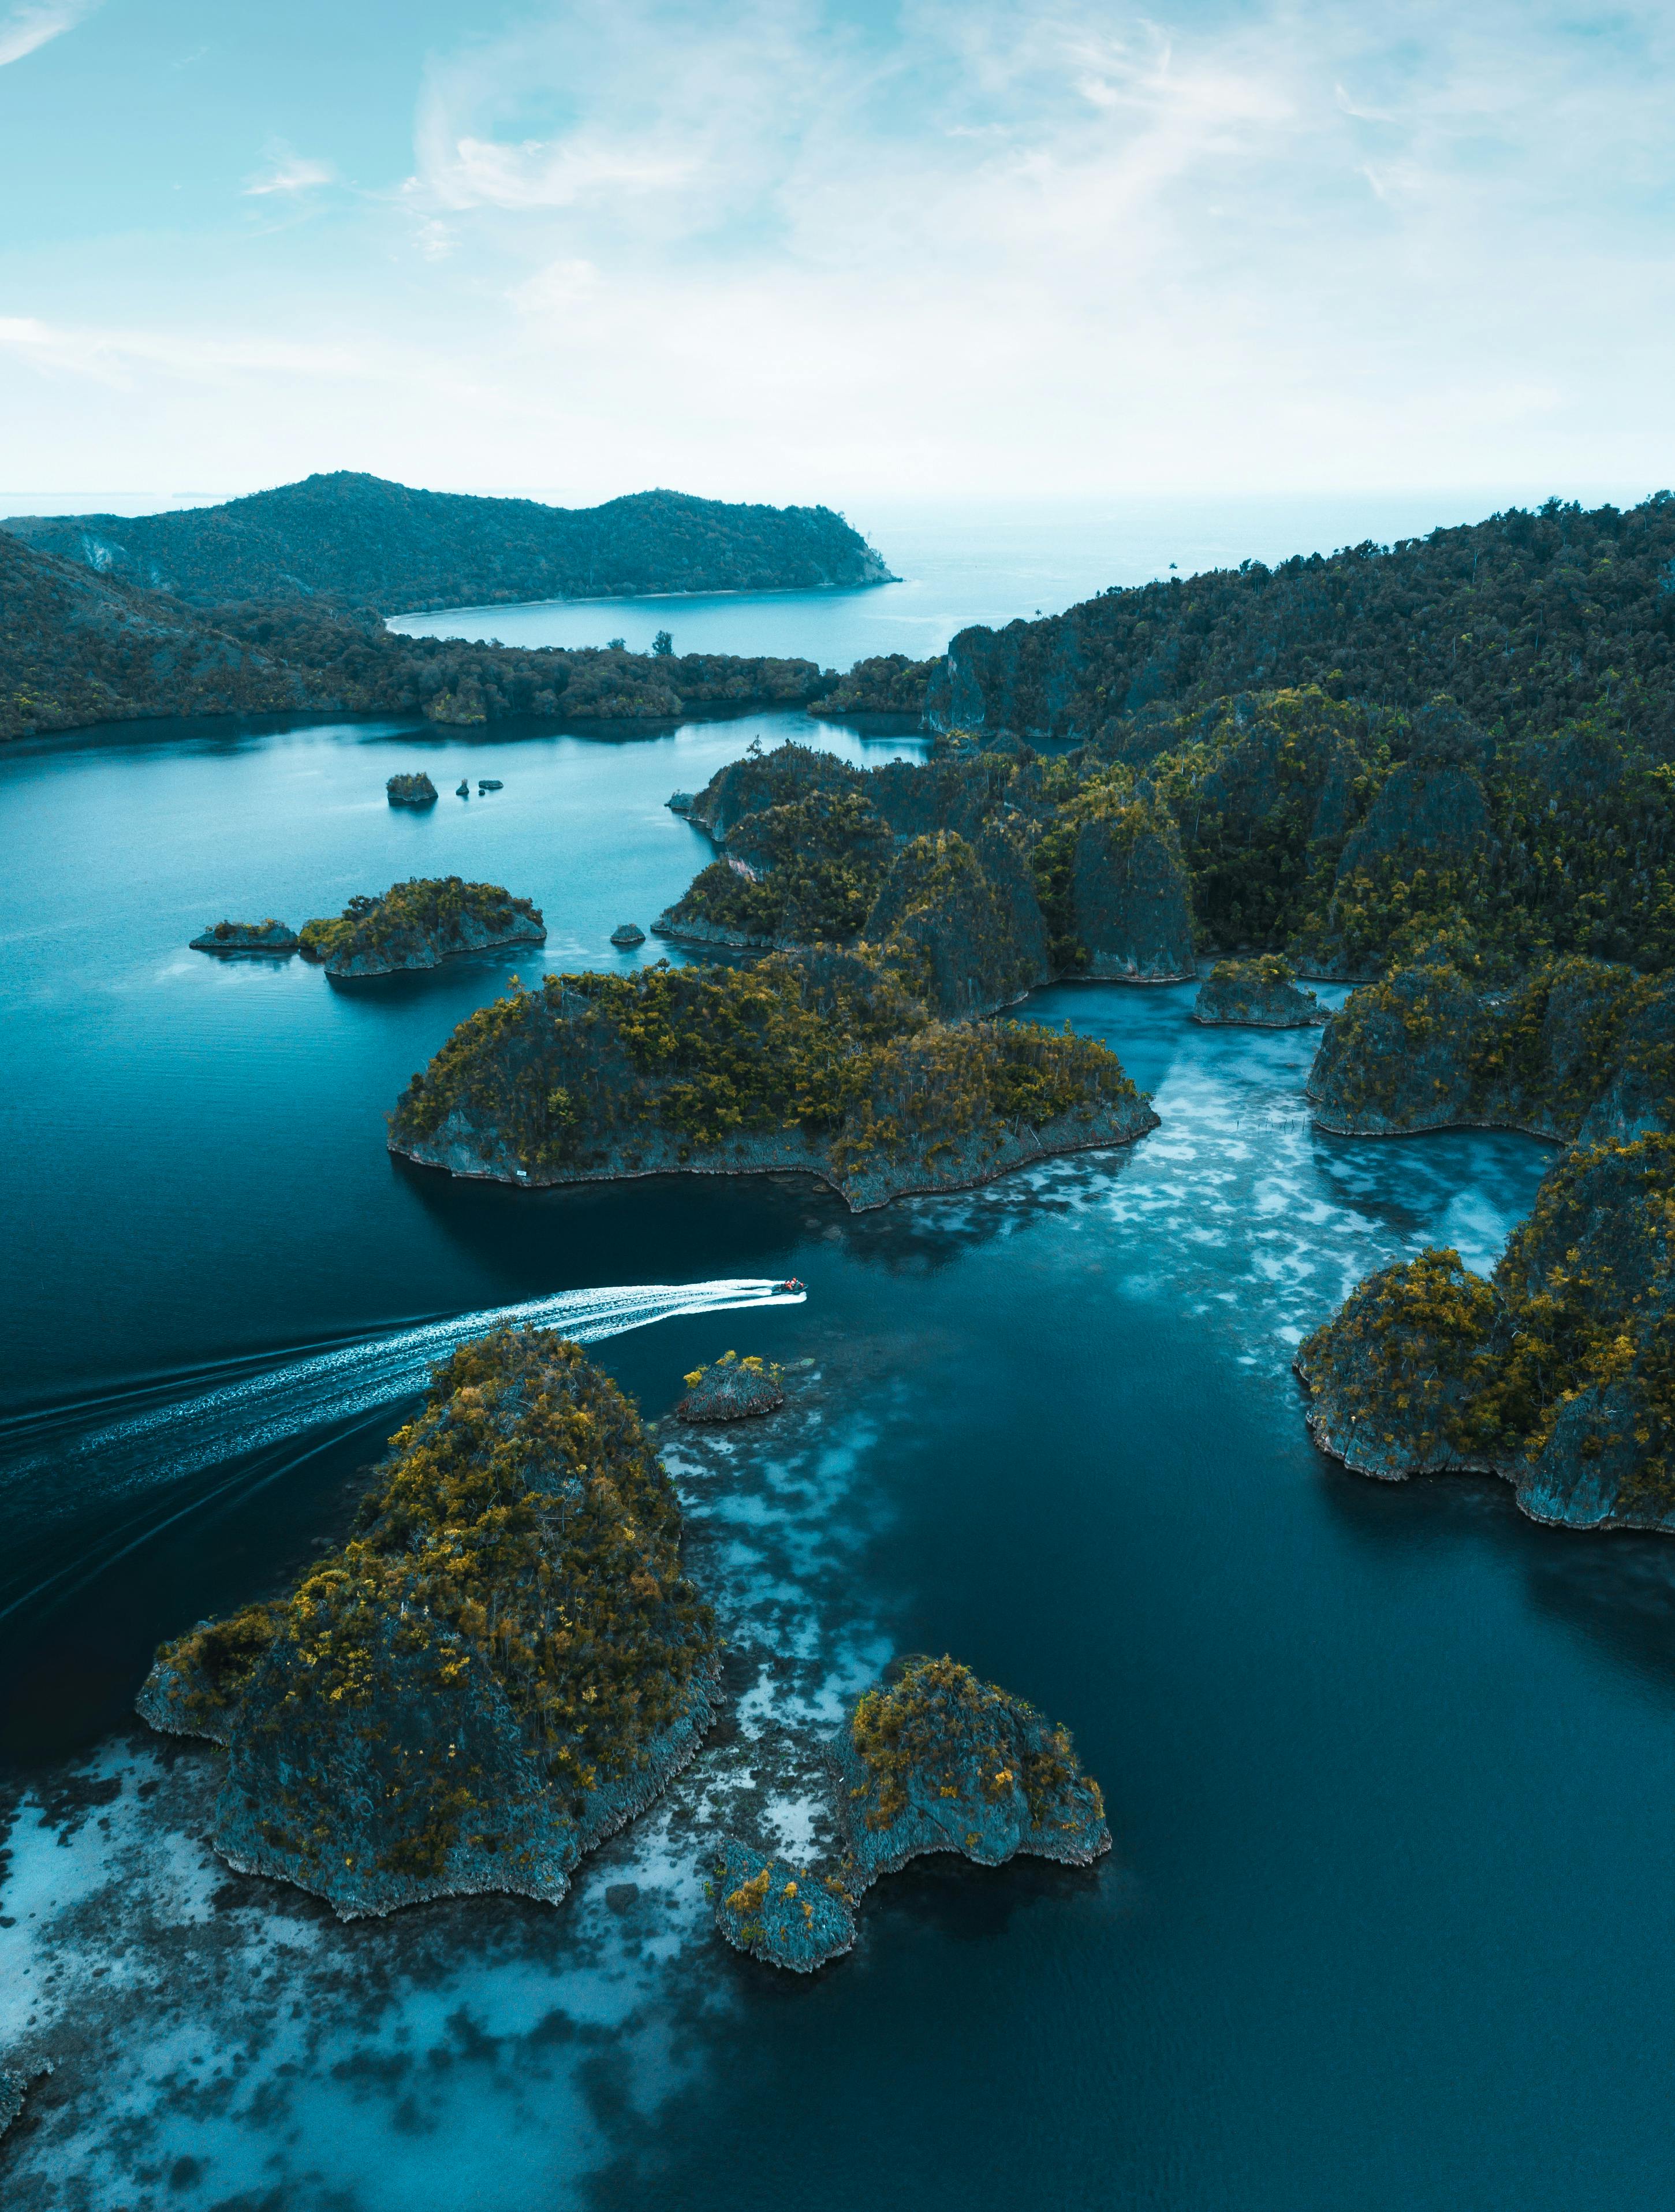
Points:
point(1387, 1923)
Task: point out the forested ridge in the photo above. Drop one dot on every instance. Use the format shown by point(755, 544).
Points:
point(361, 540)
point(1527, 619)
point(77, 647)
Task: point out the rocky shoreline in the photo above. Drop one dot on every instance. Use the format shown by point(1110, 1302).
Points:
point(863, 1191)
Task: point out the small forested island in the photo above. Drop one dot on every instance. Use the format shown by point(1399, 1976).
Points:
point(938, 1760)
point(269, 936)
point(731, 1389)
point(370, 543)
point(411, 790)
point(1261, 995)
point(784, 1914)
point(1555, 1373)
point(931, 1759)
point(501, 1666)
point(831, 1064)
point(419, 924)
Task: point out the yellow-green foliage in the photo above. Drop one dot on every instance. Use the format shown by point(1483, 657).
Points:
point(1434, 1362)
point(1587, 1282)
point(431, 906)
point(1535, 1053)
point(1265, 972)
point(818, 864)
point(1264, 791)
point(572, 1075)
point(522, 1523)
point(1126, 811)
point(750, 1897)
point(938, 1726)
point(1414, 1359)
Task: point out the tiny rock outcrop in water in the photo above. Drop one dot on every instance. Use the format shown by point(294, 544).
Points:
point(1261, 995)
point(1554, 1373)
point(419, 924)
point(940, 1761)
point(501, 1667)
point(269, 936)
point(411, 790)
point(731, 1390)
point(783, 1914)
point(627, 933)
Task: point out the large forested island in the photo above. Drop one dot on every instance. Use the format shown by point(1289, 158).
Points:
point(78, 647)
point(365, 542)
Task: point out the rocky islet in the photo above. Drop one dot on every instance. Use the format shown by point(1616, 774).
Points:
point(269, 936)
point(419, 924)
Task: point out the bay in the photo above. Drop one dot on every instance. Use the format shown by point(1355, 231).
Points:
point(1388, 1767)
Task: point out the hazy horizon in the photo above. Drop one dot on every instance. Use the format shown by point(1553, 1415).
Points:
point(838, 253)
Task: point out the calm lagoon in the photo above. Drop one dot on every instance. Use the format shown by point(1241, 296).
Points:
point(1389, 1769)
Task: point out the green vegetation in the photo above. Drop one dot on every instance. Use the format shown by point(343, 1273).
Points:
point(415, 923)
point(595, 1073)
point(814, 866)
point(1451, 1035)
point(366, 542)
point(521, 1538)
point(1529, 620)
point(939, 1746)
point(888, 683)
point(732, 1389)
point(1561, 1368)
point(79, 648)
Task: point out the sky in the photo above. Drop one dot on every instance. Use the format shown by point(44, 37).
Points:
point(952, 249)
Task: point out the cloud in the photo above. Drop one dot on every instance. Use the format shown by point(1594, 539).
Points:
point(289, 173)
point(112, 357)
point(32, 22)
point(811, 247)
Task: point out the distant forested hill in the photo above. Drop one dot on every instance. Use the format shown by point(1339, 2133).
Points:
point(77, 647)
point(368, 542)
point(1525, 620)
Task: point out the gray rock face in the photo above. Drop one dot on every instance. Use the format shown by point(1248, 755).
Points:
point(963, 924)
point(731, 1390)
point(411, 790)
point(267, 936)
point(627, 933)
point(1260, 994)
point(1551, 1374)
point(776, 1911)
point(1576, 1049)
point(942, 1762)
point(1133, 904)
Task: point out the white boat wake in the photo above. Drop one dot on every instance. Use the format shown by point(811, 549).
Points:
point(169, 1443)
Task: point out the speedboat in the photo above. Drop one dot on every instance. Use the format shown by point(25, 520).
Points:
point(790, 1282)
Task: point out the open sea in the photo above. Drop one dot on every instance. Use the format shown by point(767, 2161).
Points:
point(1385, 1926)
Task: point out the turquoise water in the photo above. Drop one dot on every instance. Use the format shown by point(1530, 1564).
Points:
point(1387, 1923)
